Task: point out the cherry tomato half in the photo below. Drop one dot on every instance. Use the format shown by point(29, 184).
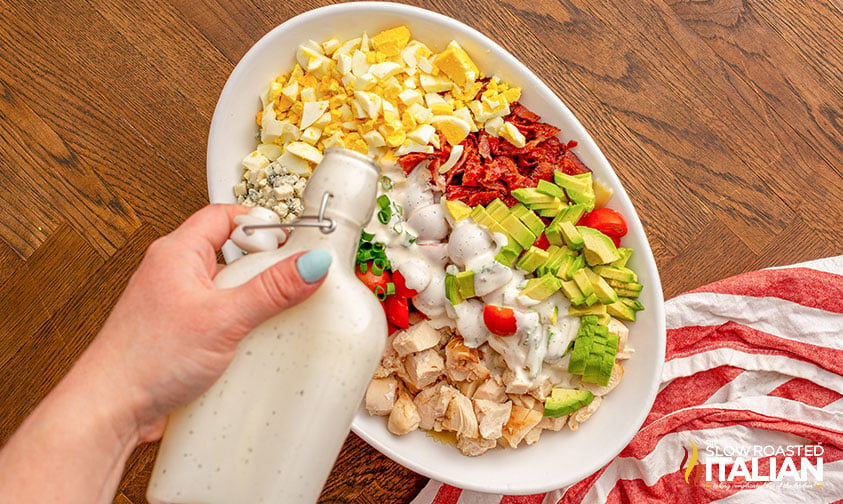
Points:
point(607, 221)
point(500, 320)
point(397, 310)
point(401, 288)
point(371, 279)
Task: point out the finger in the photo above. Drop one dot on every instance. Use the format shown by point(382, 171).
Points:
point(211, 224)
point(281, 286)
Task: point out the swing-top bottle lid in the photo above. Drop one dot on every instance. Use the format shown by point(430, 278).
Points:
point(351, 178)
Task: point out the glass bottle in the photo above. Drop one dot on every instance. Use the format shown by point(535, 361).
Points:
point(270, 429)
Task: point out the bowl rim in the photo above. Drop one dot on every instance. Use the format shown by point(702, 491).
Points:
point(361, 424)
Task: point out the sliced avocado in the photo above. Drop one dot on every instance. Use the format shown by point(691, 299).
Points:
point(626, 289)
point(509, 253)
point(594, 309)
point(572, 236)
point(532, 221)
point(532, 259)
point(579, 188)
point(593, 364)
point(518, 231)
point(553, 233)
point(625, 254)
point(604, 291)
point(577, 263)
point(579, 353)
point(531, 197)
point(540, 288)
point(597, 247)
point(563, 402)
point(632, 303)
point(481, 216)
point(618, 273)
point(581, 278)
point(553, 209)
point(464, 283)
point(452, 293)
point(555, 257)
point(621, 310)
point(572, 213)
point(550, 189)
point(498, 210)
point(572, 292)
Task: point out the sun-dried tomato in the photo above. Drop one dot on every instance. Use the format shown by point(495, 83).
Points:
point(491, 167)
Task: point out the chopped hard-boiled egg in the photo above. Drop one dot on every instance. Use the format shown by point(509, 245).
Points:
point(385, 96)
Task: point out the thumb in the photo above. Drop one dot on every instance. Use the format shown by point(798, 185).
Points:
point(281, 286)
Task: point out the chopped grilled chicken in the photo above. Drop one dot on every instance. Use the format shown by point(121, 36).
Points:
point(491, 416)
point(473, 447)
point(381, 395)
point(460, 417)
point(492, 390)
point(463, 363)
point(415, 339)
point(520, 422)
point(424, 368)
point(432, 403)
point(617, 327)
point(404, 417)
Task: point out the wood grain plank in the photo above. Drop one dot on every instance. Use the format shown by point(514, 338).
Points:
point(61, 180)
point(98, 113)
point(83, 289)
point(39, 289)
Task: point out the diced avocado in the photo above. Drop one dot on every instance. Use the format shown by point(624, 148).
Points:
point(563, 402)
point(581, 278)
point(572, 292)
point(553, 233)
point(530, 196)
point(626, 289)
point(518, 231)
point(591, 299)
point(572, 213)
point(571, 235)
point(532, 259)
point(577, 263)
point(597, 247)
point(550, 189)
point(481, 216)
point(594, 309)
point(458, 209)
point(464, 283)
point(625, 254)
point(530, 219)
point(619, 273)
point(540, 288)
point(593, 365)
point(621, 310)
point(555, 257)
point(578, 187)
point(579, 353)
point(632, 303)
point(509, 253)
point(452, 292)
point(498, 210)
point(604, 291)
point(553, 209)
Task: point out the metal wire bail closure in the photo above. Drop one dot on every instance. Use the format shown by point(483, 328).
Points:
point(325, 224)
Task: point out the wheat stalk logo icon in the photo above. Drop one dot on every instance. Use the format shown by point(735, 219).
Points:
point(692, 462)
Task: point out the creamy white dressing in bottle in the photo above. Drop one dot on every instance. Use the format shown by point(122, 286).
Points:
point(270, 429)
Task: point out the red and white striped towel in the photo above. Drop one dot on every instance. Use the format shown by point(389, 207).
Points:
point(754, 375)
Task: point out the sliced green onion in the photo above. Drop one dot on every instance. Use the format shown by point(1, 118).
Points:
point(386, 183)
point(383, 201)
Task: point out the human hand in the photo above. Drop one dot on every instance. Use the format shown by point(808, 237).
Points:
point(172, 333)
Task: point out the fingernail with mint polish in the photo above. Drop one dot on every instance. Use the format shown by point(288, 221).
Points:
point(313, 265)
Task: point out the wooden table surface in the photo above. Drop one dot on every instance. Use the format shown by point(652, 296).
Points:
point(723, 119)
